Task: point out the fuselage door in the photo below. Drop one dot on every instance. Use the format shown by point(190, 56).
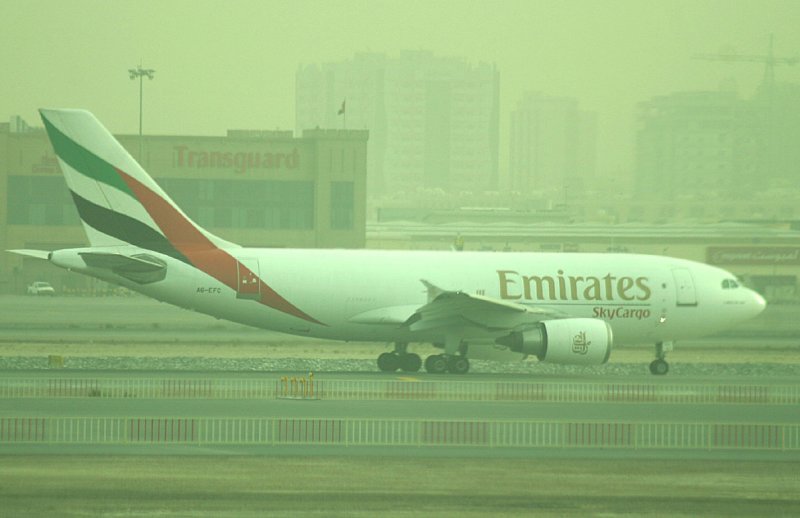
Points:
point(684, 287)
point(249, 286)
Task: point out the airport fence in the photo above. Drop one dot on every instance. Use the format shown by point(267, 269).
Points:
point(307, 387)
point(279, 431)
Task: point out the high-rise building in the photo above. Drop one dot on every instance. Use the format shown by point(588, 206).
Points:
point(553, 145)
point(777, 107)
point(714, 143)
point(433, 121)
point(689, 142)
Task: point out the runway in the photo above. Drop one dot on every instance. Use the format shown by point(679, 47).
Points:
point(404, 409)
point(389, 412)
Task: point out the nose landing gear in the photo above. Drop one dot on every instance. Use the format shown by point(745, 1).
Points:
point(659, 366)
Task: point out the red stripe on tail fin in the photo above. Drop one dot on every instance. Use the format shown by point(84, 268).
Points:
point(201, 251)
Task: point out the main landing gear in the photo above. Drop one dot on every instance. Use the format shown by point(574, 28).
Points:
point(659, 366)
point(399, 359)
point(453, 361)
point(441, 363)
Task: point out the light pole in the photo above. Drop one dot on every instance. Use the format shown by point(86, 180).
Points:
point(140, 73)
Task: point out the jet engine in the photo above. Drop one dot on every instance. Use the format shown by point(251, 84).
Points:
point(579, 341)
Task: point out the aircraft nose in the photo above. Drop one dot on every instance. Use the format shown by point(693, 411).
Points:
point(756, 304)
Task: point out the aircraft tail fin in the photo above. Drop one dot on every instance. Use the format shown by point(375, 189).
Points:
point(118, 202)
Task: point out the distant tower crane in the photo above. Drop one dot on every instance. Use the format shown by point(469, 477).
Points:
point(768, 85)
point(769, 60)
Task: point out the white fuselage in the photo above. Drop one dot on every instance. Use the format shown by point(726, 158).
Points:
point(644, 298)
point(552, 306)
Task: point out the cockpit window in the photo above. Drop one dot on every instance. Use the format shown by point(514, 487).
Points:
point(729, 284)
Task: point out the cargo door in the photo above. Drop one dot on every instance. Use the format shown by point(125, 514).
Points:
point(684, 287)
point(249, 286)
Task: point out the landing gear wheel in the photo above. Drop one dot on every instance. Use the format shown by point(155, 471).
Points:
point(659, 367)
point(458, 365)
point(436, 364)
point(410, 362)
point(388, 362)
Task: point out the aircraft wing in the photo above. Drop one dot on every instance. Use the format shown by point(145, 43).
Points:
point(459, 310)
point(393, 315)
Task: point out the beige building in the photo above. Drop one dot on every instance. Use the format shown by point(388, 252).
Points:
point(254, 188)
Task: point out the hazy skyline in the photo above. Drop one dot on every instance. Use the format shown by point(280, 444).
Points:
point(225, 65)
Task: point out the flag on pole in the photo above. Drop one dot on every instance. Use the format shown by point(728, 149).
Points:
point(341, 110)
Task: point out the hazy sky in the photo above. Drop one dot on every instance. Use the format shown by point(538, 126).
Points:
point(231, 64)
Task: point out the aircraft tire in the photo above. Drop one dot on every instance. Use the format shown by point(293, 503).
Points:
point(410, 362)
point(458, 365)
point(659, 367)
point(388, 362)
point(436, 364)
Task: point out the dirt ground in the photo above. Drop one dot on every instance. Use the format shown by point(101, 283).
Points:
point(330, 350)
point(392, 486)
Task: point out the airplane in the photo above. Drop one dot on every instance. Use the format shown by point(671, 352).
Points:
point(567, 308)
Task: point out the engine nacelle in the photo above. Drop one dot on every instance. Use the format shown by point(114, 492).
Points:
point(578, 341)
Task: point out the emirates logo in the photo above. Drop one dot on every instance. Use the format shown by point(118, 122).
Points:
point(580, 345)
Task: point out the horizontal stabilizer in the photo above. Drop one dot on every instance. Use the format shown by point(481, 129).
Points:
point(140, 268)
point(136, 263)
point(38, 254)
